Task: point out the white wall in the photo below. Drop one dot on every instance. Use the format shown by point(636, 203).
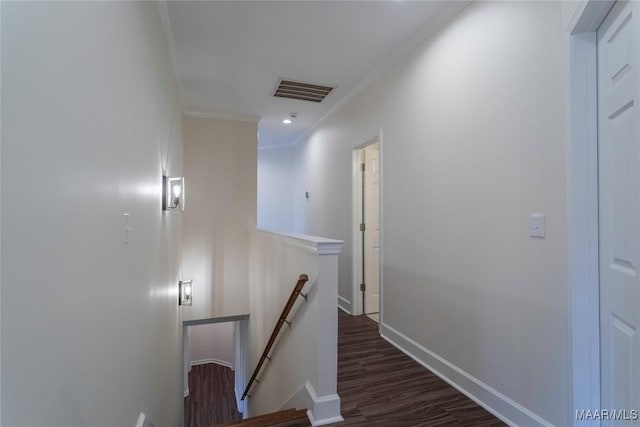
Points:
point(186, 358)
point(240, 361)
point(474, 141)
point(276, 187)
point(220, 180)
point(0, 227)
point(90, 120)
point(303, 368)
point(212, 342)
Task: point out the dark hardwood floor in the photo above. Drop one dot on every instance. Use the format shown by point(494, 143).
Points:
point(377, 383)
point(381, 386)
point(211, 399)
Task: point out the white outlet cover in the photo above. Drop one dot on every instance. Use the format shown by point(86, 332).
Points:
point(537, 225)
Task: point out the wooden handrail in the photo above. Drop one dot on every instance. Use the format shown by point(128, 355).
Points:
point(297, 291)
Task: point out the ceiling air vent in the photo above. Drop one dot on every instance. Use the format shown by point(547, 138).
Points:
point(303, 91)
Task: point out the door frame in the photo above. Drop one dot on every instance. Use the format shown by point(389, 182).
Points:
point(240, 348)
point(356, 295)
point(582, 208)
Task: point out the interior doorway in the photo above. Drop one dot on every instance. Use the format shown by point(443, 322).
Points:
point(618, 41)
point(368, 243)
point(603, 209)
point(214, 371)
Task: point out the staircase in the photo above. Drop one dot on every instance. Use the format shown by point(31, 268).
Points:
point(286, 418)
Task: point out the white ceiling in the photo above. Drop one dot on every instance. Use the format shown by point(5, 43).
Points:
point(229, 56)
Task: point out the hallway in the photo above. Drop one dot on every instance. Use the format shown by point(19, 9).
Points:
point(378, 386)
point(211, 400)
point(381, 386)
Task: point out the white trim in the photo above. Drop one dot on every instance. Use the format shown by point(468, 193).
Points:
point(321, 411)
point(211, 360)
point(323, 421)
point(1, 245)
point(239, 358)
point(356, 304)
point(356, 295)
point(381, 220)
point(582, 227)
point(313, 244)
point(344, 304)
point(186, 392)
point(141, 419)
point(222, 116)
point(577, 13)
point(492, 400)
point(210, 320)
point(326, 409)
point(582, 208)
point(588, 16)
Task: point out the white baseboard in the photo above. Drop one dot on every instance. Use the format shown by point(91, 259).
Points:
point(326, 409)
point(490, 399)
point(321, 411)
point(344, 305)
point(143, 421)
point(211, 360)
point(241, 404)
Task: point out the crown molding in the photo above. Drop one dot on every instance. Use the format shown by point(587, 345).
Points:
point(588, 15)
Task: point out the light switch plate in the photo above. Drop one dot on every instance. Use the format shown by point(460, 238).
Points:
point(537, 225)
point(126, 228)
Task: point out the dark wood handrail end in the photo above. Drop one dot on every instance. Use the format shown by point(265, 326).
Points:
point(297, 290)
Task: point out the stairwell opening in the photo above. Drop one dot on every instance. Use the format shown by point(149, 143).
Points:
point(214, 372)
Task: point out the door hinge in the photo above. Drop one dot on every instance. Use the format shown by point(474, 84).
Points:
point(362, 166)
point(362, 227)
point(363, 287)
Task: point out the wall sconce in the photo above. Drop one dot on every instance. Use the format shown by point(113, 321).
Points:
point(185, 295)
point(172, 193)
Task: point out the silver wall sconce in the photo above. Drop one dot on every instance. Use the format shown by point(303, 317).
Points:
point(172, 193)
point(185, 292)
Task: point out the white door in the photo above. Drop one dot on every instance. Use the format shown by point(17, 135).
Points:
point(372, 229)
point(619, 193)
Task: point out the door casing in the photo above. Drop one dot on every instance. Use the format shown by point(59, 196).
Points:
point(356, 295)
point(582, 209)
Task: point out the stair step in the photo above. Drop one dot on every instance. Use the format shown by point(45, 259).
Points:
point(286, 418)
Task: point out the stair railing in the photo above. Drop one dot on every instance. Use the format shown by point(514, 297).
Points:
point(297, 291)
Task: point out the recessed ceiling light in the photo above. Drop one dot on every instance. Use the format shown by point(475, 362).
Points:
point(287, 121)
